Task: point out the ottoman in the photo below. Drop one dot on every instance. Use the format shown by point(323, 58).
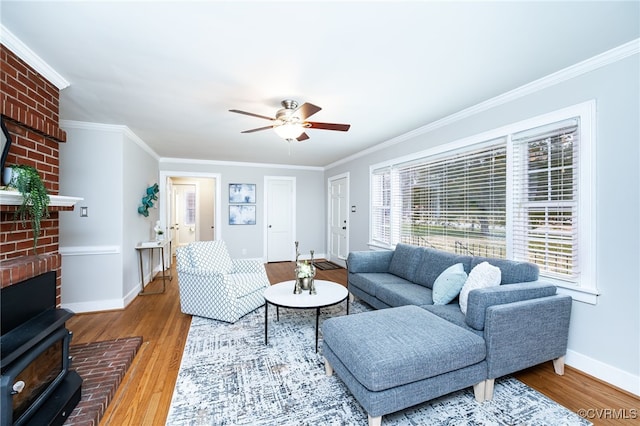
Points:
point(395, 358)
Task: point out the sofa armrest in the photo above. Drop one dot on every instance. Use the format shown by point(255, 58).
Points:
point(481, 299)
point(523, 334)
point(369, 261)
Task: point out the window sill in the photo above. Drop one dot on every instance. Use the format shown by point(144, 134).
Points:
point(584, 295)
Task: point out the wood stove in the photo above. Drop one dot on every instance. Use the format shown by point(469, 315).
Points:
point(37, 386)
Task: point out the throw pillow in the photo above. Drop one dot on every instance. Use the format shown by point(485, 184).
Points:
point(448, 284)
point(481, 276)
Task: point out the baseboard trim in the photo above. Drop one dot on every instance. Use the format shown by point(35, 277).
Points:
point(605, 372)
point(94, 306)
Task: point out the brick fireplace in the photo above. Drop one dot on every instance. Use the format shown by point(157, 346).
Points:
point(30, 109)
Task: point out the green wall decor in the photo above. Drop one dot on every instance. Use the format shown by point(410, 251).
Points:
point(147, 200)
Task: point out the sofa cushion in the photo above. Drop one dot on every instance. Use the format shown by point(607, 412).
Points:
point(448, 285)
point(404, 294)
point(370, 282)
point(405, 261)
point(369, 261)
point(511, 271)
point(434, 262)
point(481, 276)
point(392, 347)
point(452, 313)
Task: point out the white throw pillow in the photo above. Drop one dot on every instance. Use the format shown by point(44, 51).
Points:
point(483, 275)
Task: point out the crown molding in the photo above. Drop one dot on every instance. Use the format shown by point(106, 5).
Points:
point(606, 58)
point(116, 128)
point(14, 44)
point(239, 163)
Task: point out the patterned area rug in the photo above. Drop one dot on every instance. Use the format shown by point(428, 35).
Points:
point(228, 376)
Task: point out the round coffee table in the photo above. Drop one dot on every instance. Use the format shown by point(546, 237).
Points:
point(281, 294)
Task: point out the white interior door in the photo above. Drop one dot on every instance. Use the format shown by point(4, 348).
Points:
point(280, 218)
point(338, 214)
point(185, 214)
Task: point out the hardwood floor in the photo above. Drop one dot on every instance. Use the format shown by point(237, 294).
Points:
point(144, 396)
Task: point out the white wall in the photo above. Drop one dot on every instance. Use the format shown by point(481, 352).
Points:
point(107, 166)
point(249, 239)
point(604, 339)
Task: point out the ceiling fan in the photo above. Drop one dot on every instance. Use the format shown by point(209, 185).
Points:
point(290, 121)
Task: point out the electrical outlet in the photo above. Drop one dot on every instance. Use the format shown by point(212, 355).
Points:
point(84, 211)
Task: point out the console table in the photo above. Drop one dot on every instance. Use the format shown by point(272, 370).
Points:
point(150, 246)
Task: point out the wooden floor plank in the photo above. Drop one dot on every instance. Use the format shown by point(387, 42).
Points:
point(144, 396)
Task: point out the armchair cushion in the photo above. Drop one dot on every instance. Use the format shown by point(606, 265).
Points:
point(211, 255)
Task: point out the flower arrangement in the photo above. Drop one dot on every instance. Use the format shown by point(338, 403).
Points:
point(305, 270)
point(158, 230)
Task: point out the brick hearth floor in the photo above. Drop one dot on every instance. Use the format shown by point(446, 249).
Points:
point(102, 365)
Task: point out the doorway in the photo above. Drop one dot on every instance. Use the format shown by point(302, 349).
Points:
point(190, 206)
point(280, 218)
point(184, 226)
point(338, 214)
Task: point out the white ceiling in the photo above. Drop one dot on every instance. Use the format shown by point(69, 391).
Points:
point(170, 71)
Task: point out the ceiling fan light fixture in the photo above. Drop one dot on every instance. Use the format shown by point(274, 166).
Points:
point(289, 131)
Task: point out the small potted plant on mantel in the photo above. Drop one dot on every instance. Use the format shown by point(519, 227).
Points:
point(35, 198)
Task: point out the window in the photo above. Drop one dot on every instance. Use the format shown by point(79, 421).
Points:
point(190, 207)
point(511, 193)
point(545, 221)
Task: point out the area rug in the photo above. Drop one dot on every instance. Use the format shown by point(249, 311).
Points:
point(102, 365)
point(326, 266)
point(228, 376)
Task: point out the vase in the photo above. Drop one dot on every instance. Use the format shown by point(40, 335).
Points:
point(305, 283)
point(7, 175)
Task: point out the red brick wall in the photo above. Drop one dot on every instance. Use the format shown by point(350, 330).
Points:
point(30, 108)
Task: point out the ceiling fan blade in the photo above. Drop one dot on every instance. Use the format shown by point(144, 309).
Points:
point(258, 129)
point(328, 126)
point(251, 114)
point(302, 137)
point(307, 110)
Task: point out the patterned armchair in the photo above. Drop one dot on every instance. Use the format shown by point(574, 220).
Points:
point(213, 285)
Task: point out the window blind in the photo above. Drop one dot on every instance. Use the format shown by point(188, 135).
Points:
point(455, 202)
point(545, 197)
point(381, 206)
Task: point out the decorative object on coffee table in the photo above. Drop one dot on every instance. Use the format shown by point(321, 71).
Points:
point(305, 274)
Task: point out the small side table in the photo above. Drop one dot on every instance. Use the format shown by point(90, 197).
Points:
point(150, 246)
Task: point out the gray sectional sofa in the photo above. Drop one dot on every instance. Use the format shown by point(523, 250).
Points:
point(411, 350)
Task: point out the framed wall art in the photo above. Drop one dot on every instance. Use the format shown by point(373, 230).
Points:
point(244, 193)
point(240, 214)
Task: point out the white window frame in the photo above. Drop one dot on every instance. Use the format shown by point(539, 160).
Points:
point(586, 288)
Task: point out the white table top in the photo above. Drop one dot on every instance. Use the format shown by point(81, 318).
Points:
point(328, 293)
